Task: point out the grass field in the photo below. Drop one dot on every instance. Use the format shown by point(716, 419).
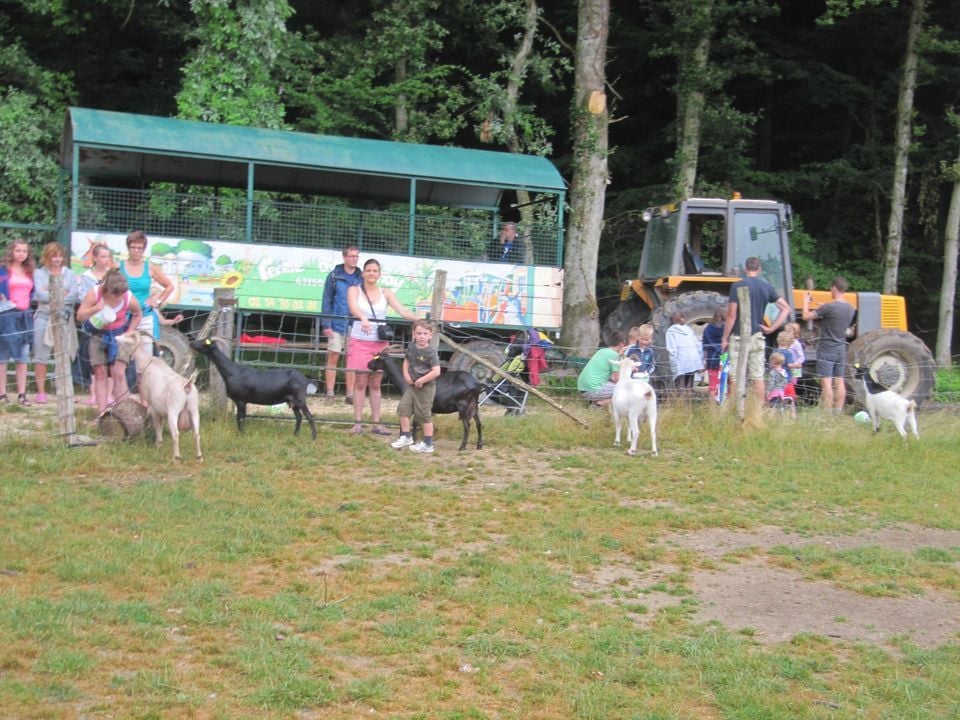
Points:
point(546, 576)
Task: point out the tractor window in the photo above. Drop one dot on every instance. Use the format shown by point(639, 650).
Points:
point(704, 248)
point(658, 247)
point(758, 233)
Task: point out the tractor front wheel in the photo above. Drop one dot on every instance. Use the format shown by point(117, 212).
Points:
point(895, 359)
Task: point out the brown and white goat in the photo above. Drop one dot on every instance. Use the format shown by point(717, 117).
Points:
point(165, 394)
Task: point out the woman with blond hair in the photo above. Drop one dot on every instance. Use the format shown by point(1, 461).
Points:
point(108, 310)
point(53, 259)
point(102, 257)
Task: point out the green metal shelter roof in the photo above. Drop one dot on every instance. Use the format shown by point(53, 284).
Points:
point(123, 147)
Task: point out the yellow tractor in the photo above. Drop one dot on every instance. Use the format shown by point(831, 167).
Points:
point(695, 250)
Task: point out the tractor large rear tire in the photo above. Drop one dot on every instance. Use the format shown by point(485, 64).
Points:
point(174, 348)
point(698, 309)
point(489, 350)
point(897, 360)
point(625, 316)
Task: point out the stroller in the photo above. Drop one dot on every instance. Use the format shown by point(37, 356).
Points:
point(525, 360)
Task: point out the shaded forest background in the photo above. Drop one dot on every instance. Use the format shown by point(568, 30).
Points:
point(801, 102)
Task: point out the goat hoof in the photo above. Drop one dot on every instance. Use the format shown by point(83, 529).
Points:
point(631, 452)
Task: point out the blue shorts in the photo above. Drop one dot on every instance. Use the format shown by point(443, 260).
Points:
point(16, 336)
point(832, 363)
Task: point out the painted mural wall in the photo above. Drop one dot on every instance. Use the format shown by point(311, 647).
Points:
point(280, 278)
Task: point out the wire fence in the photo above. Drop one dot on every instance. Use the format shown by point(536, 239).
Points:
point(448, 233)
point(297, 341)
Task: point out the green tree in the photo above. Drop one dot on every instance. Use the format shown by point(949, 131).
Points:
point(32, 103)
point(712, 44)
point(951, 247)
point(230, 75)
point(378, 76)
point(502, 112)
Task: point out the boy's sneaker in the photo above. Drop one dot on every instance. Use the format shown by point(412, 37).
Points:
point(421, 447)
point(402, 442)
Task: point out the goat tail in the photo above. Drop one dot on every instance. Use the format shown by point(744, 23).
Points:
point(189, 384)
point(911, 406)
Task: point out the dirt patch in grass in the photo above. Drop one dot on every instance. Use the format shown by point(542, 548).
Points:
point(775, 604)
point(718, 542)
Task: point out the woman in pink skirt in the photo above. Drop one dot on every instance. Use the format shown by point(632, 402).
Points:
point(368, 304)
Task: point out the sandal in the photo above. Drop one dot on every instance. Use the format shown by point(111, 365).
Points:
point(22, 397)
point(380, 430)
point(357, 429)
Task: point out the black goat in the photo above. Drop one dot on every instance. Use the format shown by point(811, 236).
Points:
point(263, 387)
point(457, 392)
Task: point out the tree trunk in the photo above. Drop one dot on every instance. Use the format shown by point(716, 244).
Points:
point(581, 327)
point(691, 99)
point(948, 292)
point(401, 111)
point(908, 84)
point(518, 69)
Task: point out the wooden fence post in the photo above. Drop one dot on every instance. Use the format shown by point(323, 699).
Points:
point(224, 303)
point(436, 306)
point(743, 307)
point(63, 379)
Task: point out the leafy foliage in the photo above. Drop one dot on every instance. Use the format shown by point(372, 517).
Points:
point(229, 77)
point(380, 76)
point(31, 101)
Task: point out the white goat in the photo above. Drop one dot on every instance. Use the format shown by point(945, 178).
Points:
point(164, 393)
point(883, 403)
point(636, 400)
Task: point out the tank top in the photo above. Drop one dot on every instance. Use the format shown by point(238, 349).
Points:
point(378, 308)
point(20, 287)
point(139, 286)
point(120, 309)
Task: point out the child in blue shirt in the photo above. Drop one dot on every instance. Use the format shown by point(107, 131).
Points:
point(641, 349)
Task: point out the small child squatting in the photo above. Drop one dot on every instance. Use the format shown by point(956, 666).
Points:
point(421, 368)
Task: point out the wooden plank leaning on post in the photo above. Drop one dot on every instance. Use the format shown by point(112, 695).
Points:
point(514, 381)
point(743, 307)
point(63, 379)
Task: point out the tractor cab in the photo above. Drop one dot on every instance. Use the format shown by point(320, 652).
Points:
point(703, 243)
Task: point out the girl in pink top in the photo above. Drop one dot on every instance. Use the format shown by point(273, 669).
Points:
point(16, 322)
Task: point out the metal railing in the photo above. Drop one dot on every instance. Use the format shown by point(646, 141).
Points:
point(447, 233)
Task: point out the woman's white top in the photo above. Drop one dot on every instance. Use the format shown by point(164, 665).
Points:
point(378, 309)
